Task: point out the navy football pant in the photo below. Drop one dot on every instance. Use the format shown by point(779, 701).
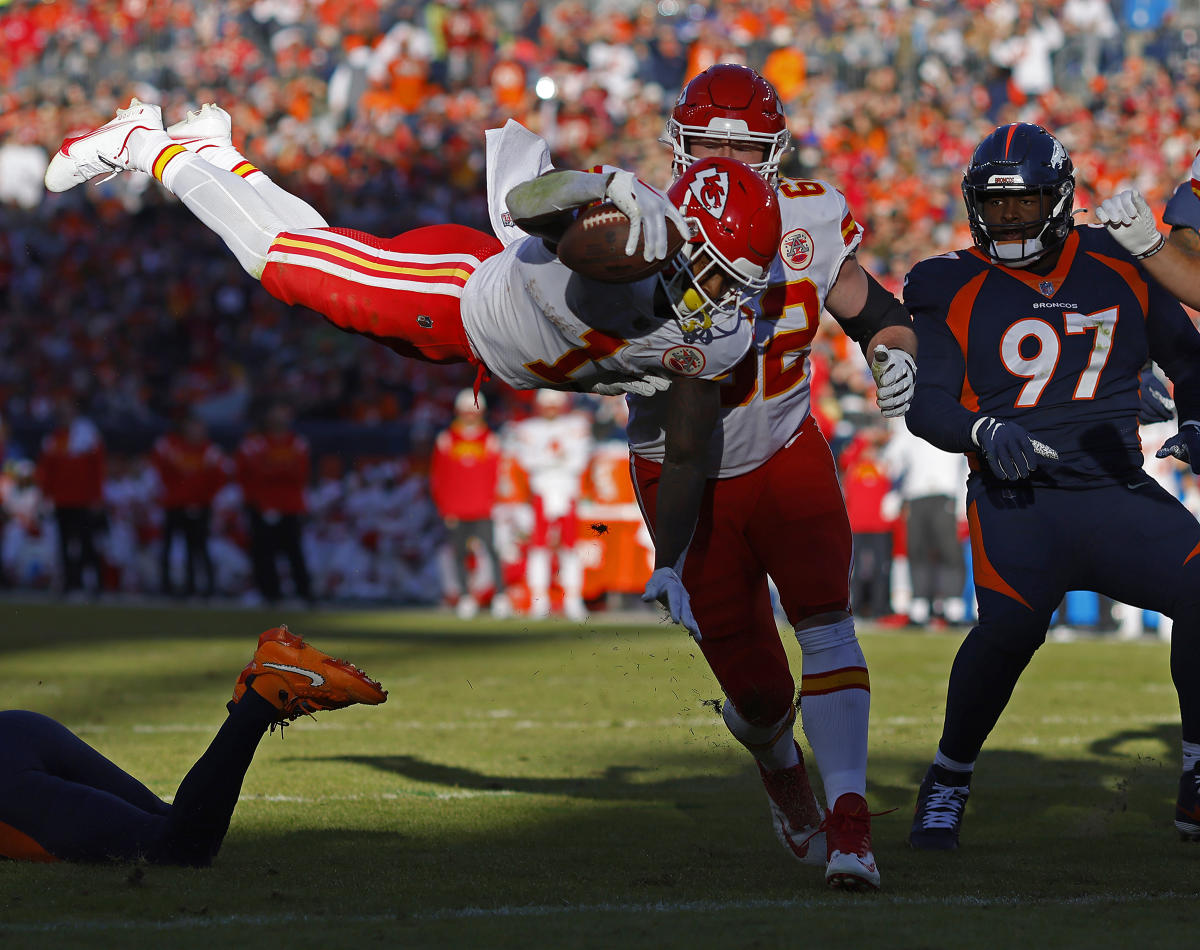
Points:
point(76, 805)
point(1133, 542)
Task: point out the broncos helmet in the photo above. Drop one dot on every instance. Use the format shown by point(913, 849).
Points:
point(734, 217)
point(1020, 158)
point(731, 103)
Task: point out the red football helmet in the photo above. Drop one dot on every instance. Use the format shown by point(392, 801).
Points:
point(734, 216)
point(732, 103)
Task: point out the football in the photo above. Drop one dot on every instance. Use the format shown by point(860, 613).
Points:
point(593, 246)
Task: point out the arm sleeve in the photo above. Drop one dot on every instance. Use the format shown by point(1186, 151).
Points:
point(542, 205)
point(936, 414)
point(1175, 346)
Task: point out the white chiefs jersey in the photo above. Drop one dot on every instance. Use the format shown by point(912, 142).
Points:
point(554, 454)
point(536, 324)
point(766, 397)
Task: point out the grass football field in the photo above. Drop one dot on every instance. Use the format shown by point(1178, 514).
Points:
point(547, 785)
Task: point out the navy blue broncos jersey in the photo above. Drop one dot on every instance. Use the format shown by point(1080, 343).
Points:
point(1058, 354)
point(1183, 210)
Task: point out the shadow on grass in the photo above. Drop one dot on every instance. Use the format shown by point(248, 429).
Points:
point(613, 783)
point(39, 626)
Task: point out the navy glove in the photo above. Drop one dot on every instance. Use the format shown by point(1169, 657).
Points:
point(1008, 449)
point(1184, 445)
point(1157, 404)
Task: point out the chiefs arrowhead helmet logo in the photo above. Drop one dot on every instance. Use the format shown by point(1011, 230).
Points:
point(710, 187)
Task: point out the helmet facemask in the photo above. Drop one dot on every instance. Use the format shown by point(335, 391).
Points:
point(684, 278)
point(774, 145)
point(1020, 159)
point(729, 103)
point(1014, 245)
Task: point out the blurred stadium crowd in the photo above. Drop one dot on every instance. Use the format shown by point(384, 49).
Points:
point(373, 110)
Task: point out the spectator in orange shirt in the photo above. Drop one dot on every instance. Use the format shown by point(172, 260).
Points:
point(273, 469)
point(463, 479)
point(70, 472)
point(192, 469)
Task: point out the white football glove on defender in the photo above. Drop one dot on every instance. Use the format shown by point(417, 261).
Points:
point(647, 209)
point(646, 386)
point(666, 587)
point(1130, 221)
point(895, 373)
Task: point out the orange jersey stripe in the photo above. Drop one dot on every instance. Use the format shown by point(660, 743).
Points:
point(359, 260)
point(848, 677)
point(20, 847)
point(958, 319)
point(1195, 551)
point(1130, 275)
point(159, 165)
point(985, 574)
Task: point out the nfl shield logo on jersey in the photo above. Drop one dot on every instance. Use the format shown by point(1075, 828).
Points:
point(796, 249)
point(1046, 288)
point(684, 360)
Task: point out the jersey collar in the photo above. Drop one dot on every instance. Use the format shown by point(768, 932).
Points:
point(1045, 284)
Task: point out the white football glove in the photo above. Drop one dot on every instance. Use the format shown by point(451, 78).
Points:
point(1130, 221)
point(646, 386)
point(666, 587)
point(895, 373)
point(1196, 174)
point(647, 209)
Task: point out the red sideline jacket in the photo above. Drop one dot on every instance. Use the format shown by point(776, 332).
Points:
point(273, 471)
point(191, 473)
point(463, 474)
point(70, 469)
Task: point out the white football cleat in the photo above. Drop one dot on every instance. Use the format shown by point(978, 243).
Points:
point(210, 126)
point(851, 865)
point(101, 151)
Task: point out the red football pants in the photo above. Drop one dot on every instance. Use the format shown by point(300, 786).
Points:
point(403, 291)
point(786, 518)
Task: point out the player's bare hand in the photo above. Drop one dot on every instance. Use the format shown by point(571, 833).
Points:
point(895, 373)
point(666, 587)
point(1184, 445)
point(1130, 221)
point(648, 211)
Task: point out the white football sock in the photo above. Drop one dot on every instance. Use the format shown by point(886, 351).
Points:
point(835, 705)
point(953, 765)
point(773, 746)
point(294, 212)
point(229, 206)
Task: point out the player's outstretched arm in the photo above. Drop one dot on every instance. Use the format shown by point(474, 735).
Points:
point(692, 411)
point(1133, 226)
point(545, 205)
point(877, 322)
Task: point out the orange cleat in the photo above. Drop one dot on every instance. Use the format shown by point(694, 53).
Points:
point(299, 679)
